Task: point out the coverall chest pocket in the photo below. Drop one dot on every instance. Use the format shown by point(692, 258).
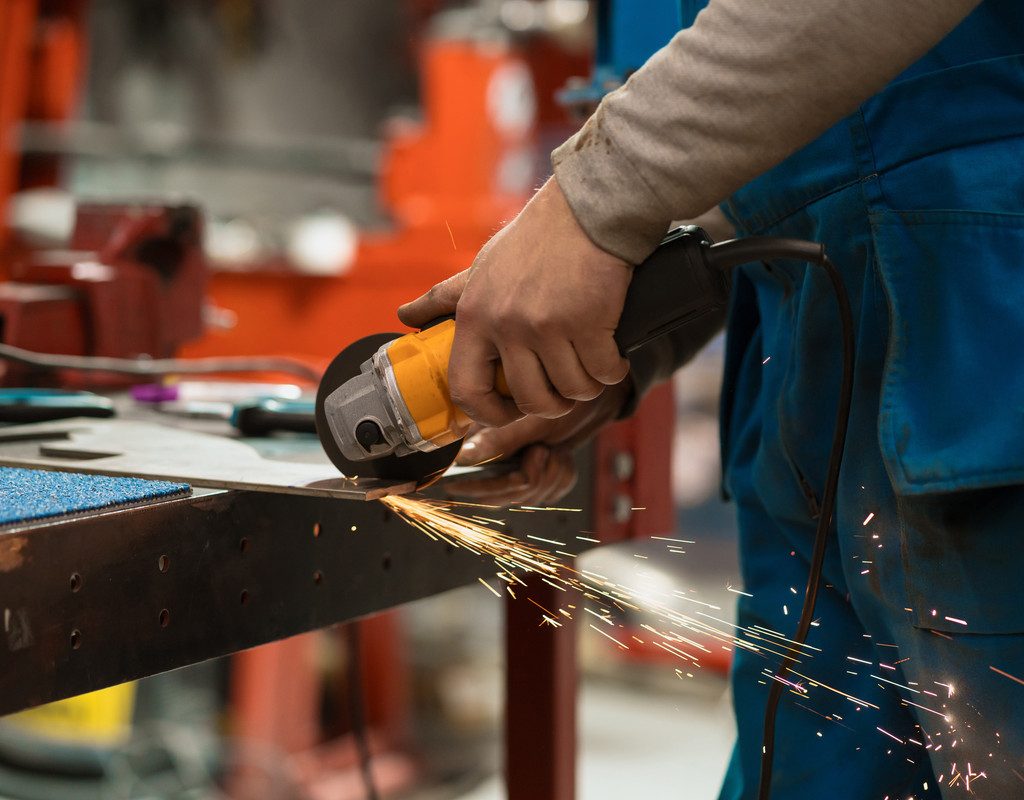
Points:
point(951, 422)
point(952, 405)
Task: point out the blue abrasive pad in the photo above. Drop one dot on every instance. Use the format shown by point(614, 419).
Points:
point(31, 494)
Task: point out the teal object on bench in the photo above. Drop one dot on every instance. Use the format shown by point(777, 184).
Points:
point(29, 494)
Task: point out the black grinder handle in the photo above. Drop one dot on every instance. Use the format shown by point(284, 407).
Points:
point(674, 287)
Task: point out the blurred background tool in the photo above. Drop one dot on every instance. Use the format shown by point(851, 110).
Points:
point(269, 180)
point(270, 415)
point(42, 405)
point(212, 391)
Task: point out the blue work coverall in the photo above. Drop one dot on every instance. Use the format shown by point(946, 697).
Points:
point(919, 198)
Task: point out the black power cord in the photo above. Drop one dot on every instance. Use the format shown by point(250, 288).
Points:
point(357, 710)
point(742, 251)
point(157, 367)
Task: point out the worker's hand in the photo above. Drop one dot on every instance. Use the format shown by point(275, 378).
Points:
point(546, 471)
point(542, 300)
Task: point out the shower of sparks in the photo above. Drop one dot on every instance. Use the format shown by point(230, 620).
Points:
point(1006, 675)
point(686, 637)
point(609, 636)
point(546, 541)
point(453, 524)
point(967, 776)
point(898, 685)
point(929, 710)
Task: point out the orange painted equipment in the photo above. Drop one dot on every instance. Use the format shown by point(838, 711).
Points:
point(447, 183)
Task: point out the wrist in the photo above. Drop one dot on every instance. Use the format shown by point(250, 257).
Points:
point(559, 203)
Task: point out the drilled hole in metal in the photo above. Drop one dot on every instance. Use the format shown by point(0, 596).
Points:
point(165, 618)
point(76, 639)
point(76, 581)
point(163, 563)
point(386, 561)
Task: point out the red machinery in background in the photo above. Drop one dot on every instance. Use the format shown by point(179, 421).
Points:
point(132, 279)
point(132, 284)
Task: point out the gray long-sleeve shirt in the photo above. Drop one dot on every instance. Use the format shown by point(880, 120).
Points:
point(751, 82)
point(729, 98)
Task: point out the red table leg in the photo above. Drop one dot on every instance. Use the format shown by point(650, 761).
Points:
point(540, 697)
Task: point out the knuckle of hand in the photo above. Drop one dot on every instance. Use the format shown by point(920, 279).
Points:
point(528, 408)
point(545, 325)
point(537, 407)
point(584, 393)
point(504, 324)
point(548, 408)
point(466, 312)
point(612, 373)
point(462, 396)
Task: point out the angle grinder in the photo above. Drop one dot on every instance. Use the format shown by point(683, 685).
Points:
point(383, 408)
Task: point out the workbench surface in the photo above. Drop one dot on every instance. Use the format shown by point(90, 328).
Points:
point(108, 596)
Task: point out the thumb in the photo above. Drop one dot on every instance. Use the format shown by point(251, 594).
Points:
point(488, 444)
point(438, 302)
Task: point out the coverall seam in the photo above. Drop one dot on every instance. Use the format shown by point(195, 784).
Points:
point(760, 225)
point(919, 217)
point(947, 149)
point(803, 484)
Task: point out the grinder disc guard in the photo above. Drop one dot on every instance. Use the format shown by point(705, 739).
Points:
point(424, 468)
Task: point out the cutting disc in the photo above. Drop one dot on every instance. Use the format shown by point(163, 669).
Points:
point(424, 468)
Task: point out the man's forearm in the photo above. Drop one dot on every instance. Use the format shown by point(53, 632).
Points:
point(729, 98)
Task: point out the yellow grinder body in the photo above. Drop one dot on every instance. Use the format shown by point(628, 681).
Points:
point(383, 405)
point(419, 362)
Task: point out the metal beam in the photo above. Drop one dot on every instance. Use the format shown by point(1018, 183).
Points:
point(113, 596)
point(110, 597)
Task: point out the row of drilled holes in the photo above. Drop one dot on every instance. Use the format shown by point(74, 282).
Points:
point(317, 576)
point(164, 564)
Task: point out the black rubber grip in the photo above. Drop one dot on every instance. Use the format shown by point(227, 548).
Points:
point(674, 287)
point(258, 420)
